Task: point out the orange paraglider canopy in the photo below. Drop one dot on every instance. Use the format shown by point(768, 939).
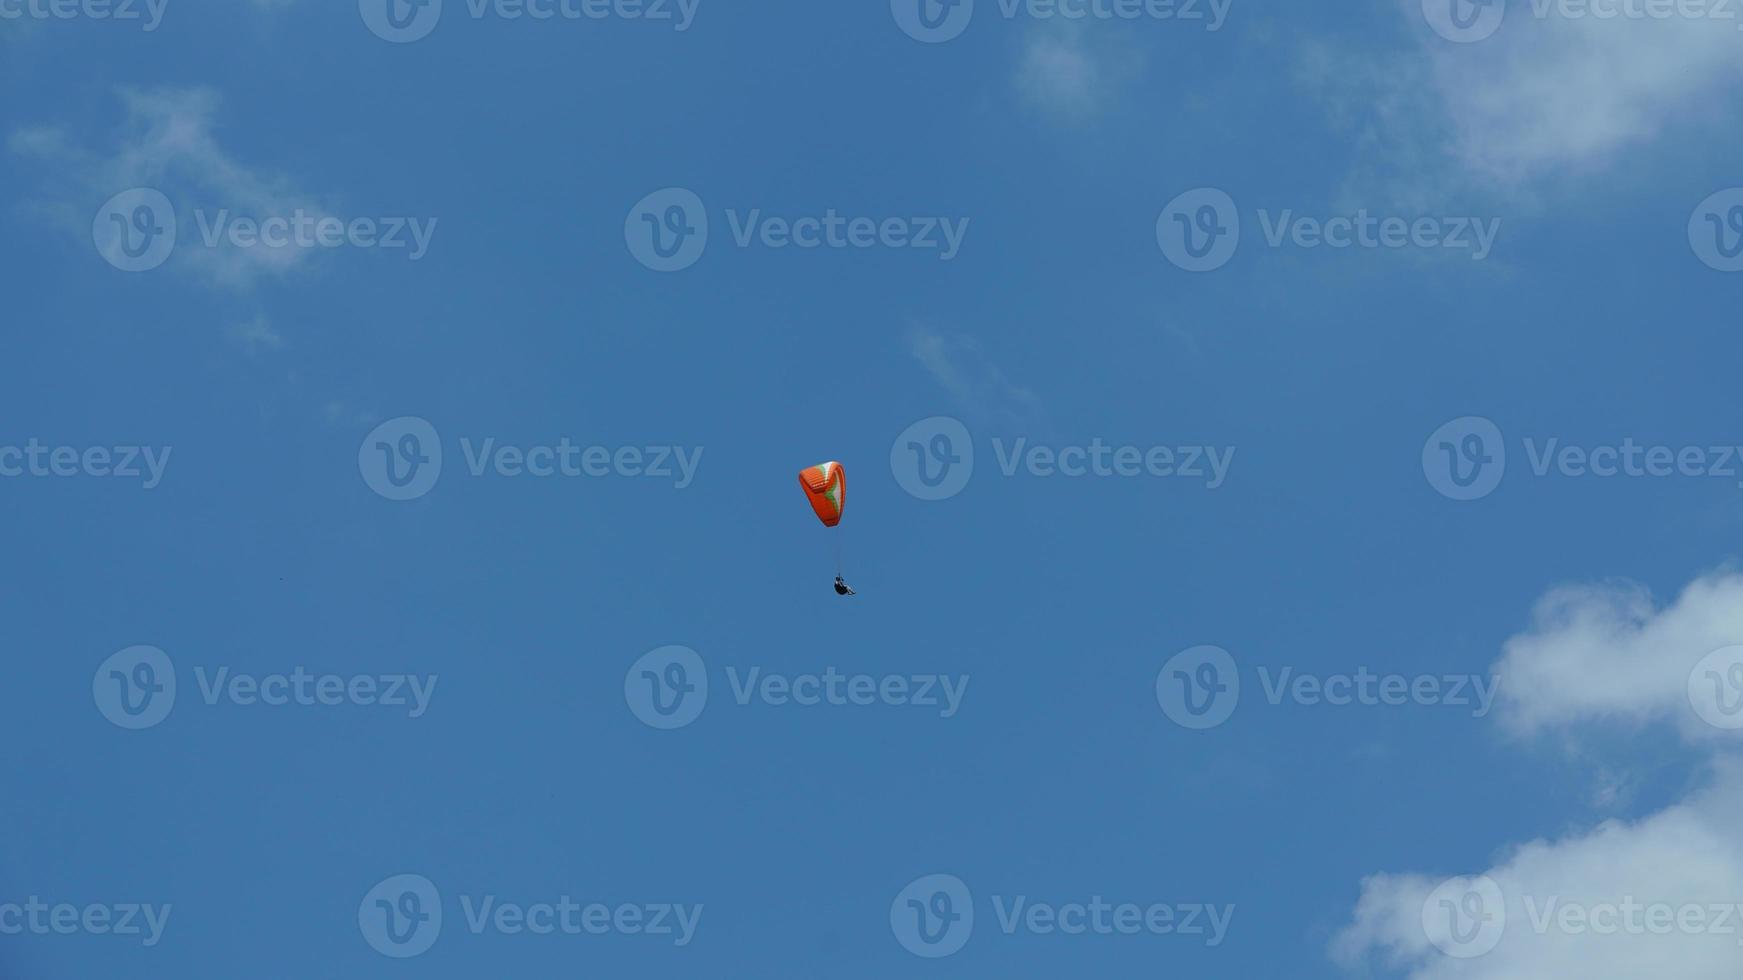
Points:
point(826, 487)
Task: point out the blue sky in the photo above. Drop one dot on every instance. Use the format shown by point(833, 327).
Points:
point(1560, 285)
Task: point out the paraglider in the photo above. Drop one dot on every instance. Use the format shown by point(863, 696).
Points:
point(825, 485)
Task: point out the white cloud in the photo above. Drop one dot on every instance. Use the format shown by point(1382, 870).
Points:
point(1558, 92)
point(1543, 98)
point(167, 142)
point(1596, 655)
point(1609, 654)
point(1687, 859)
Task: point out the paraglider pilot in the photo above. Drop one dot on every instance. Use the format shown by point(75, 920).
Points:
point(825, 485)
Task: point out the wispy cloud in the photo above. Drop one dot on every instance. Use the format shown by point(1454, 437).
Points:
point(168, 142)
point(979, 387)
point(257, 336)
point(1070, 72)
point(1545, 97)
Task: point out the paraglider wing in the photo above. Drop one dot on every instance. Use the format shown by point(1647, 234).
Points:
point(825, 486)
